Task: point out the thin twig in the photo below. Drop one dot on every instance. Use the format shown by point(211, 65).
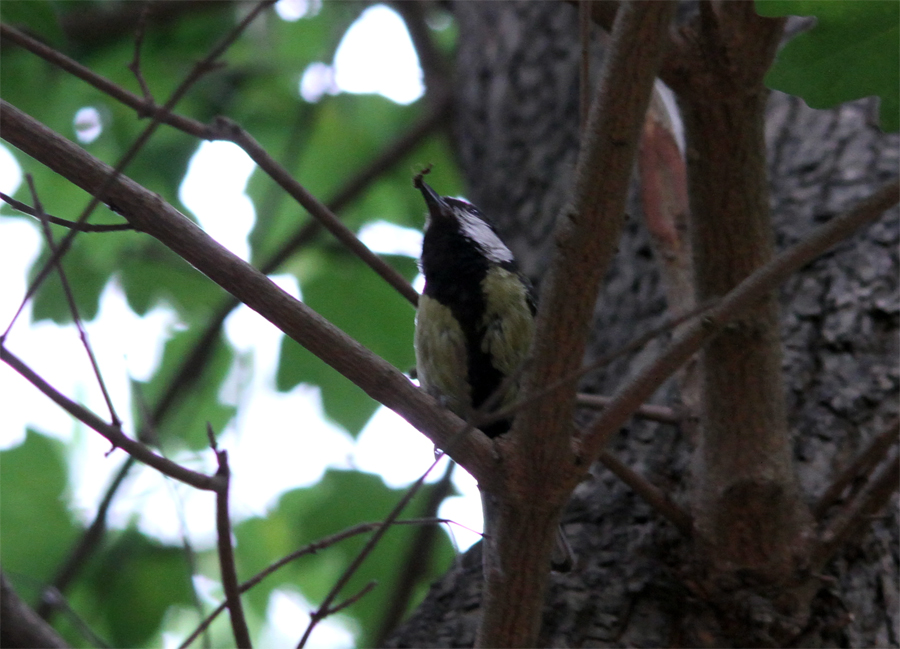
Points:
point(867, 503)
point(584, 86)
point(481, 418)
point(135, 65)
point(97, 195)
point(743, 297)
point(662, 414)
point(312, 548)
point(55, 220)
point(113, 434)
point(416, 559)
point(652, 494)
point(858, 469)
point(347, 602)
point(70, 299)
point(226, 551)
point(87, 544)
point(367, 549)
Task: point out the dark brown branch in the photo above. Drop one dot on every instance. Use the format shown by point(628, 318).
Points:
point(654, 496)
point(415, 559)
point(662, 414)
point(858, 470)
point(87, 544)
point(139, 104)
point(538, 456)
point(20, 626)
point(744, 296)
point(226, 130)
point(226, 553)
point(55, 220)
point(113, 434)
point(857, 514)
point(347, 602)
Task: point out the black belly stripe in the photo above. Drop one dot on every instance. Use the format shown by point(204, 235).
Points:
point(453, 276)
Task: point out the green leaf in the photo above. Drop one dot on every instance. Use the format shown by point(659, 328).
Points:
point(352, 297)
point(36, 531)
point(852, 52)
point(133, 585)
point(152, 274)
point(196, 402)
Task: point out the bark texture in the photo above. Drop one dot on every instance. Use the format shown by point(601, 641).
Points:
point(517, 103)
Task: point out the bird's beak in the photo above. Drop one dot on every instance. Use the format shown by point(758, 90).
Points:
point(436, 204)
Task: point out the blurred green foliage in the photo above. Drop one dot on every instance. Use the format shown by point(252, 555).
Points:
point(134, 586)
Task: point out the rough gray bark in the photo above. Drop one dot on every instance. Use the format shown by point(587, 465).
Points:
point(517, 102)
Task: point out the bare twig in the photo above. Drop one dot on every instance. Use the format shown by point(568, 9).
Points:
point(135, 65)
point(654, 496)
point(55, 220)
point(317, 616)
point(858, 470)
point(347, 602)
point(867, 503)
point(70, 299)
point(112, 433)
point(731, 306)
point(87, 544)
point(662, 414)
point(226, 551)
point(224, 129)
point(416, 559)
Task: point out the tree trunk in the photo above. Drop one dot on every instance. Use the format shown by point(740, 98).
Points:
point(516, 137)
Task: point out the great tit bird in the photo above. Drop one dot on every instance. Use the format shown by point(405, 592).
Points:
point(475, 319)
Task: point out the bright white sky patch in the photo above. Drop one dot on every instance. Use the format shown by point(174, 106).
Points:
point(213, 189)
point(10, 175)
point(317, 80)
point(293, 10)
point(390, 239)
point(376, 55)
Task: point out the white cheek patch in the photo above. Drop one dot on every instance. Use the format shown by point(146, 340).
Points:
point(486, 239)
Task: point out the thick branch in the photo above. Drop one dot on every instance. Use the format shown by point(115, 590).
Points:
point(518, 544)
